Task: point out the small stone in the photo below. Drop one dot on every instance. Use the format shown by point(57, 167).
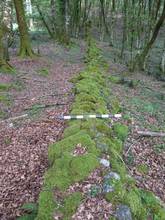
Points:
point(11, 125)
point(105, 162)
point(95, 190)
point(112, 175)
point(107, 188)
point(123, 212)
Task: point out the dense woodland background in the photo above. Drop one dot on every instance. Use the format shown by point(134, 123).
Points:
point(133, 29)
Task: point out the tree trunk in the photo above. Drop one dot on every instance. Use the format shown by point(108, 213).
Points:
point(25, 44)
point(102, 3)
point(4, 65)
point(50, 32)
point(63, 36)
point(141, 58)
point(29, 12)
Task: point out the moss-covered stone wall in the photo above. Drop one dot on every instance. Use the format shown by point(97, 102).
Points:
point(99, 137)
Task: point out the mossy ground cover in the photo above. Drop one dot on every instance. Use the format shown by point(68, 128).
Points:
point(67, 169)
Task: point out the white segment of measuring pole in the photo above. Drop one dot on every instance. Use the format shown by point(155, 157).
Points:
point(92, 116)
point(117, 115)
point(105, 116)
point(79, 116)
point(67, 117)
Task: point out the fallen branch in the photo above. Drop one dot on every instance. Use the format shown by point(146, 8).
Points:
point(151, 134)
point(45, 106)
point(15, 118)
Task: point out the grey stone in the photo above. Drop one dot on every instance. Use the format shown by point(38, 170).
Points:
point(107, 188)
point(123, 212)
point(112, 175)
point(95, 190)
point(105, 162)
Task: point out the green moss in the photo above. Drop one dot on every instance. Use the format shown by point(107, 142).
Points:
point(69, 143)
point(88, 86)
point(119, 167)
point(84, 97)
point(114, 79)
point(133, 200)
point(46, 206)
point(104, 128)
point(160, 215)
point(143, 168)
point(69, 169)
point(121, 131)
point(117, 196)
point(58, 176)
point(88, 108)
point(43, 72)
point(71, 130)
point(5, 99)
point(112, 218)
point(84, 107)
point(2, 114)
point(115, 105)
point(150, 201)
point(70, 205)
point(117, 145)
point(4, 87)
point(93, 74)
point(82, 166)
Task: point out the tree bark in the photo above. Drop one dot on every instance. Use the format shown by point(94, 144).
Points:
point(25, 44)
point(4, 65)
point(141, 58)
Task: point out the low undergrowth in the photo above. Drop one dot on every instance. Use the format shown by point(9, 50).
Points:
point(98, 137)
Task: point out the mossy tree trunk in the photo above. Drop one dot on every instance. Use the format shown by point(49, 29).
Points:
point(63, 36)
point(4, 65)
point(25, 44)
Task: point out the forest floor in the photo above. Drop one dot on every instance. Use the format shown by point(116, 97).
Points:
point(145, 106)
point(41, 91)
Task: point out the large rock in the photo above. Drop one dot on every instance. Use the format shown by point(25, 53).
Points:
point(123, 212)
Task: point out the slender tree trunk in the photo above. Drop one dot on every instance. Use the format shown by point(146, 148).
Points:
point(102, 3)
point(4, 65)
point(162, 65)
point(25, 44)
point(124, 28)
point(51, 33)
point(29, 12)
point(4, 32)
point(63, 36)
point(141, 58)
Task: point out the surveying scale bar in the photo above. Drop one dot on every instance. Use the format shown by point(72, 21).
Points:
point(103, 116)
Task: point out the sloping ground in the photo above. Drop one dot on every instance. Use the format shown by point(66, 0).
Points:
point(87, 178)
point(144, 105)
point(42, 91)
